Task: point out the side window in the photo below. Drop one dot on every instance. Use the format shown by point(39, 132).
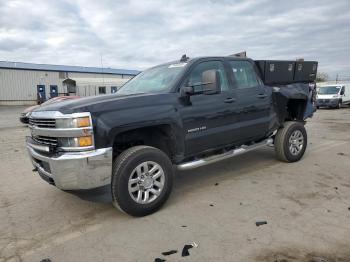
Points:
point(195, 77)
point(244, 74)
point(101, 90)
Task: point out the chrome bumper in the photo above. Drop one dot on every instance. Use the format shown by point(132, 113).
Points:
point(73, 171)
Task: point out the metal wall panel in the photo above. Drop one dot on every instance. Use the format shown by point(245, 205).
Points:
point(20, 86)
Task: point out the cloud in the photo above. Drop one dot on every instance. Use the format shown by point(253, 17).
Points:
point(138, 34)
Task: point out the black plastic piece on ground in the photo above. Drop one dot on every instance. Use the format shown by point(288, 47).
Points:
point(260, 223)
point(159, 260)
point(185, 252)
point(46, 260)
point(168, 253)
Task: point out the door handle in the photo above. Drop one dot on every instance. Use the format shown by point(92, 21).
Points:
point(262, 95)
point(229, 100)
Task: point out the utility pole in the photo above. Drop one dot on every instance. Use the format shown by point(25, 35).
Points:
point(336, 79)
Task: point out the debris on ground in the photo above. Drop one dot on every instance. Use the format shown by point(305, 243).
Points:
point(216, 184)
point(260, 223)
point(185, 249)
point(319, 259)
point(46, 260)
point(183, 226)
point(159, 260)
point(168, 253)
point(194, 244)
point(336, 188)
point(211, 205)
point(341, 154)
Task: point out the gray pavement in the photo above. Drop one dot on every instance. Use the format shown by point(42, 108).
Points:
point(306, 206)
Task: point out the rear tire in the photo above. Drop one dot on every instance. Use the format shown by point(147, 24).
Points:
point(142, 180)
point(291, 142)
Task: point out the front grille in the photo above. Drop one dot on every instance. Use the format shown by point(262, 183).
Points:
point(45, 140)
point(42, 122)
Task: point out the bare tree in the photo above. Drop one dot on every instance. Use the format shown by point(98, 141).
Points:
point(322, 77)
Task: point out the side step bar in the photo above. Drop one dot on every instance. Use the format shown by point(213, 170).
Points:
point(235, 152)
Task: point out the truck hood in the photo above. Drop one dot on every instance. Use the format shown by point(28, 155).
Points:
point(95, 104)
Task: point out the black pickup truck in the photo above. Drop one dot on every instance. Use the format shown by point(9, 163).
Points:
point(178, 115)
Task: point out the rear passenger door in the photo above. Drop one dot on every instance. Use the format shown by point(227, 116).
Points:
point(254, 100)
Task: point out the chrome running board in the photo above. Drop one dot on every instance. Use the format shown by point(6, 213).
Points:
point(215, 158)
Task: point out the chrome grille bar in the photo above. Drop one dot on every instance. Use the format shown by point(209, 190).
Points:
point(46, 123)
point(50, 141)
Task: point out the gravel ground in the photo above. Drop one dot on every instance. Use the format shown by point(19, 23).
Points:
point(306, 206)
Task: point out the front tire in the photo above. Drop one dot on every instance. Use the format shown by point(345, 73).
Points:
point(142, 180)
point(291, 142)
point(338, 105)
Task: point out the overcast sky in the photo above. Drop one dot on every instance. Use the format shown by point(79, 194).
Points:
point(139, 34)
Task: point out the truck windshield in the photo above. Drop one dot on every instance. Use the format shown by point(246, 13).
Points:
point(153, 80)
point(328, 90)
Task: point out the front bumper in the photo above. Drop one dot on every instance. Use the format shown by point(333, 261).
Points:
point(327, 102)
point(74, 171)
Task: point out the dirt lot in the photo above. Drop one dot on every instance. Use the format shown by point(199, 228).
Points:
point(306, 206)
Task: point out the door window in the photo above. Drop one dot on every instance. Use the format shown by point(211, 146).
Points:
point(244, 74)
point(195, 78)
point(41, 93)
point(53, 91)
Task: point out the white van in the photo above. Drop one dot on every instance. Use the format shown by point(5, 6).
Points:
point(333, 96)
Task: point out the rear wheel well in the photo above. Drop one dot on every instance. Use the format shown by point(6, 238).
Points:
point(296, 109)
point(156, 136)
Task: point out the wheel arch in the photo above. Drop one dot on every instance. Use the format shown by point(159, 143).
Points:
point(161, 136)
point(296, 109)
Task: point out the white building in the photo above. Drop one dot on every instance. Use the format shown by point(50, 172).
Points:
point(25, 83)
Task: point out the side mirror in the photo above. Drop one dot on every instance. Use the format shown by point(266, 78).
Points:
point(211, 80)
point(342, 92)
point(187, 91)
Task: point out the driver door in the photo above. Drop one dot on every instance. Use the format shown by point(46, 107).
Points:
point(208, 119)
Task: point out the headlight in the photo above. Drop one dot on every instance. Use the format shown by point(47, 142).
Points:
point(73, 122)
point(83, 141)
